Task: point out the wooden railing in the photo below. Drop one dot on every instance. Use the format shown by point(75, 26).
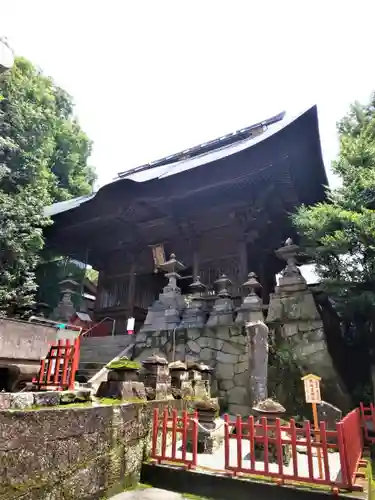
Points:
point(58, 369)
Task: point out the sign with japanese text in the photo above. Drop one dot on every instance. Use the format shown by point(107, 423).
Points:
point(130, 325)
point(312, 388)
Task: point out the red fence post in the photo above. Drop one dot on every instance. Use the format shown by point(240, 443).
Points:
point(185, 424)
point(345, 480)
point(239, 442)
point(155, 430)
point(293, 442)
point(195, 440)
point(226, 442)
point(174, 433)
point(75, 362)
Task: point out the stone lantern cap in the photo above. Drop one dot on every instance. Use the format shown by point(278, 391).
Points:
point(200, 367)
point(269, 406)
point(252, 283)
point(155, 360)
point(177, 365)
point(172, 265)
point(124, 364)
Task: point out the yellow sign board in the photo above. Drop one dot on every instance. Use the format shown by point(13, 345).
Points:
point(312, 388)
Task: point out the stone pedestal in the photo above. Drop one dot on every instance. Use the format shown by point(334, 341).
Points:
point(122, 381)
point(271, 410)
point(208, 437)
point(292, 307)
point(156, 378)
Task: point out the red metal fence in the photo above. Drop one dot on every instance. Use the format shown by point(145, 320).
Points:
point(168, 430)
point(292, 453)
point(282, 451)
point(59, 367)
point(368, 422)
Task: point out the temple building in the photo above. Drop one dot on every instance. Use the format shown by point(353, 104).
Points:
point(222, 207)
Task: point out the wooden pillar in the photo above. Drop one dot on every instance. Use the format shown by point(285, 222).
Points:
point(243, 263)
point(132, 285)
point(196, 271)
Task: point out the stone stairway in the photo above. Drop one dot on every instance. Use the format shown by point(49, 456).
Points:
point(97, 352)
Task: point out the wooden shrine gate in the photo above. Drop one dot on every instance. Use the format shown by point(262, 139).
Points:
point(175, 441)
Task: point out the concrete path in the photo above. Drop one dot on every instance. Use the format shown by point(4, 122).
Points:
point(149, 494)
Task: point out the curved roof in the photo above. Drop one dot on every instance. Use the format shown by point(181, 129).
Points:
point(205, 153)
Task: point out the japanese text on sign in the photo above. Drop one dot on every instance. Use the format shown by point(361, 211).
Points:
point(312, 390)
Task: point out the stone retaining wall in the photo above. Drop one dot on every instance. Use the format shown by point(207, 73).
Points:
point(81, 453)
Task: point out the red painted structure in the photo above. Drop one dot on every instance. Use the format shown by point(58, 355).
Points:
point(59, 367)
point(186, 426)
point(368, 420)
point(346, 440)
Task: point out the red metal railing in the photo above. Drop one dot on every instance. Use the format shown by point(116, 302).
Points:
point(353, 443)
point(177, 430)
point(59, 367)
point(248, 446)
point(368, 421)
point(287, 440)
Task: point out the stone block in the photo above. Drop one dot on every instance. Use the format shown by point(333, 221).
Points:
point(238, 396)
point(207, 342)
point(241, 367)
point(193, 346)
point(225, 371)
point(5, 400)
point(21, 400)
point(229, 348)
point(49, 398)
point(329, 414)
point(124, 390)
point(226, 358)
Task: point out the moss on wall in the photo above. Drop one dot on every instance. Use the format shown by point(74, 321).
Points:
point(74, 453)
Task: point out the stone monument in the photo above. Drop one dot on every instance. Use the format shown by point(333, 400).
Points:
point(292, 307)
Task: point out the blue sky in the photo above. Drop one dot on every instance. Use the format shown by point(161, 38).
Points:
point(150, 77)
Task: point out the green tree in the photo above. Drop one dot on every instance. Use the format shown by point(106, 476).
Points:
point(340, 233)
point(43, 159)
point(49, 147)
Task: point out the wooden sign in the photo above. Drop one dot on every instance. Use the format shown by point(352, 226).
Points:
point(312, 395)
point(312, 388)
point(158, 255)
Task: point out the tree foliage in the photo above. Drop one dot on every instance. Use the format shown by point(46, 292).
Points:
point(43, 159)
point(340, 233)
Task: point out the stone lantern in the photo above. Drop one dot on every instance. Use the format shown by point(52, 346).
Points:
point(122, 381)
point(165, 313)
point(156, 377)
point(181, 386)
point(251, 308)
point(222, 311)
point(194, 315)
